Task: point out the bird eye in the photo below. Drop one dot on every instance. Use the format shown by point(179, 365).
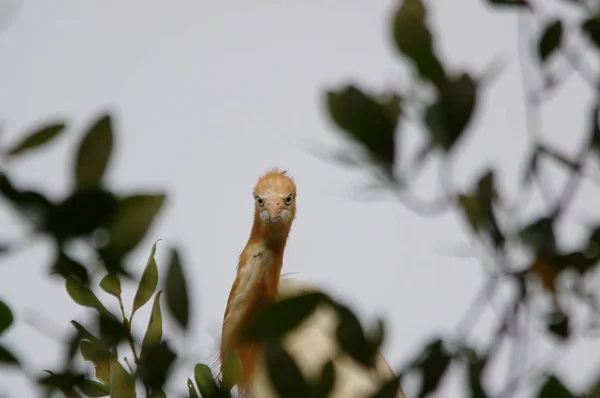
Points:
point(288, 200)
point(260, 201)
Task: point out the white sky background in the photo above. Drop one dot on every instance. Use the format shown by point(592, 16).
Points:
point(207, 96)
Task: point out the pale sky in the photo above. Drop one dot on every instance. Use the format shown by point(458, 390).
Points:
point(207, 96)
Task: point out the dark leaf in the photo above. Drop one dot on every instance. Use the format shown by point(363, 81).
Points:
point(6, 317)
point(176, 291)
point(558, 157)
point(147, 284)
point(558, 325)
point(518, 3)
point(475, 368)
point(388, 389)
point(66, 381)
point(7, 357)
point(153, 335)
point(369, 121)
point(82, 213)
point(550, 40)
point(32, 205)
point(70, 268)
point(134, 218)
point(191, 389)
point(539, 235)
point(91, 388)
point(231, 369)
point(155, 365)
point(324, 384)
point(112, 331)
point(433, 364)
point(37, 138)
point(414, 40)
point(352, 339)
point(284, 373)
point(111, 285)
point(93, 154)
point(449, 116)
point(486, 196)
point(205, 380)
point(276, 319)
point(83, 296)
point(99, 356)
point(591, 28)
point(553, 388)
point(121, 382)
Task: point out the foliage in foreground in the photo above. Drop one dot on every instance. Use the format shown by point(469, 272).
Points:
point(111, 225)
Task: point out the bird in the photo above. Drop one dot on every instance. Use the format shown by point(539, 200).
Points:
point(259, 281)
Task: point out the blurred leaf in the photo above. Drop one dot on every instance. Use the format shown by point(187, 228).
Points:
point(518, 3)
point(134, 218)
point(153, 335)
point(82, 213)
point(449, 116)
point(37, 138)
point(591, 28)
point(558, 157)
point(84, 296)
point(122, 383)
point(231, 369)
point(550, 40)
point(156, 364)
point(112, 331)
point(284, 373)
point(94, 153)
point(176, 291)
point(558, 325)
point(486, 196)
point(388, 389)
point(66, 381)
point(324, 384)
point(276, 319)
point(7, 357)
point(148, 283)
point(553, 388)
point(351, 337)
point(415, 41)
point(475, 368)
point(6, 317)
point(99, 356)
point(70, 268)
point(433, 363)
point(158, 394)
point(531, 167)
point(92, 388)
point(205, 380)
point(111, 285)
point(191, 389)
point(83, 332)
point(34, 206)
point(367, 120)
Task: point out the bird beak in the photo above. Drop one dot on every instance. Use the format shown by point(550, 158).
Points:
point(274, 206)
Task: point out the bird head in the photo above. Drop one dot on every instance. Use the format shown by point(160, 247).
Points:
point(275, 200)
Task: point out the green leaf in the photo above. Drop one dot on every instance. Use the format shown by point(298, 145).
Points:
point(448, 117)
point(6, 317)
point(33, 206)
point(276, 319)
point(37, 138)
point(414, 40)
point(191, 389)
point(148, 283)
point(551, 39)
point(91, 388)
point(205, 380)
point(176, 291)
point(153, 335)
point(134, 218)
point(155, 365)
point(554, 388)
point(7, 357)
point(369, 121)
point(388, 389)
point(84, 296)
point(231, 369)
point(591, 28)
point(324, 384)
point(94, 153)
point(352, 339)
point(284, 373)
point(111, 285)
point(67, 267)
point(122, 383)
point(99, 356)
point(82, 213)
